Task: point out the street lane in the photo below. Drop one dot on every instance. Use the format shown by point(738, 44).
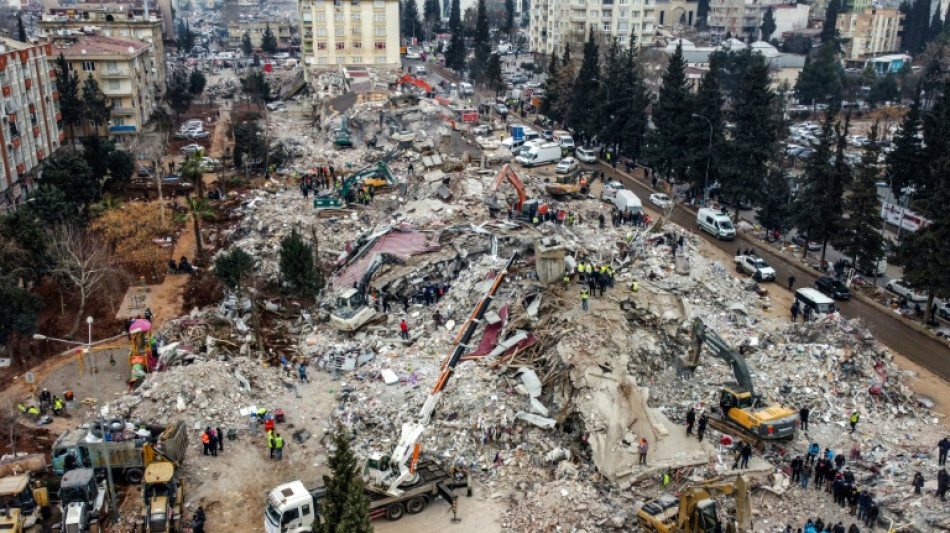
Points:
point(885, 326)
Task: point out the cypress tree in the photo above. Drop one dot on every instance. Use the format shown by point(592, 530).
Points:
point(860, 235)
point(481, 43)
point(768, 24)
point(344, 508)
point(905, 161)
point(829, 31)
point(296, 266)
point(710, 104)
point(455, 57)
point(668, 145)
point(585, 101)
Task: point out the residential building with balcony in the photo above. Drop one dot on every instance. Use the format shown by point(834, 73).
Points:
point(554, 23)
point(283, 31)
point(128, 76)
point(108, 20)
point(740, 18)
point(335, 33)
point(870, 32)
point(30, 129)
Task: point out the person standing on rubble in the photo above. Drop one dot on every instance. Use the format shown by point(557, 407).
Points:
point(703, 420)
point(819, 473)
point(279, 446)
point(853, 419)
point(584, 297)
point(797, 468)
point(270, 442)
point(746, 453)
point(804, 411)
point(943, 483)
point(795, 309)
point(404, 329)
point(813, 450)
point(690, 420)
point(642, 449)
point(918, 482)
point(213, 441)
point(791, 282)
point(806, 475)
point(206, 442)
point(943, 446)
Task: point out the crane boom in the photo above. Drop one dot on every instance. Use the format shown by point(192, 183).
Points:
point(721, 350)
point(406, 452)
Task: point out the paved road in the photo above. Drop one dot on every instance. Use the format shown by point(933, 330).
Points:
point(886, 327)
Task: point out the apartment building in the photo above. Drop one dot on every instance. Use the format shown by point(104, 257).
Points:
point(554, 23)
point(334, 33)
point(29, 122)
point(283, 31)
point(740, 18)
point(676, 13)
point(127, 74)
point(869, 32)
point(108, 20)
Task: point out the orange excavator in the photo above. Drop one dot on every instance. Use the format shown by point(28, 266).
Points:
point(524, 209)
point(429, 91)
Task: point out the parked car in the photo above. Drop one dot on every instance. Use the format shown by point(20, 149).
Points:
point(482, 130)
point(833, 288)
point(210, 165)
point(901, 288)
point(661, 200)
point(943, 309)
point(587, 155)
point(421, 70)
point(197, 134)
point(566, 166)
point(547, 135)
point(756, 267)
point(191, 124)
point(501, 109)
point(802, 241)
point(274, 106)
point(191, 149)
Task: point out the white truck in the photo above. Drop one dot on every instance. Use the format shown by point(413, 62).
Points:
point(627, 202)
point(756, 267)
point(542, 154)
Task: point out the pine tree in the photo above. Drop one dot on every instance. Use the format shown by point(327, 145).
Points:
point(431, 14)
point(773, 207)
point(411, 27)
point(268, 40)
point(177, 95)
point(668, 146)
point(566, 58)
point(455, 57)
point(67, 83)
point(20, 29)
point(493, 74)
point(196, 82)
point(820, 79)
point(233, 267)
point(340, 504)
point(859, 236)
point(768, 24)
point(552, 72)
point(509, 22)
point(936, 26)
point(552, 64)
point(610, 94)
point(481, 43)
point(906, 162)
point(246, 45)
point(586, 100)
point(632, 106)
point(757, 129)
point(296, 266)
point(829, 32)
point(706, 154)
point(95, 108)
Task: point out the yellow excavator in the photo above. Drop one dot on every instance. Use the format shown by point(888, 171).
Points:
point(22, 504)
point(744, 413)
point(694, 510)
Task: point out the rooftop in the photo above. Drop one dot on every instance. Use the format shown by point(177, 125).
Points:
point(100, 45)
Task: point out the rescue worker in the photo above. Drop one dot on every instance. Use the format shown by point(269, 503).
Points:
point(270, 443)
point(853, 419)
point(584, 298)
point(206, 442)
point(34, 412)
point(279, 446)
point(57, 406)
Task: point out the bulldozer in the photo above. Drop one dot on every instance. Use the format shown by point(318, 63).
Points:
point(694, 510)
point(577, 182)
point(84, 500)
point(163, 495)
point(744, 413)
point(341, 137)
point(22, 504)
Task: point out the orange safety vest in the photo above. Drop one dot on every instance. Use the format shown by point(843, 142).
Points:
point(205, 438)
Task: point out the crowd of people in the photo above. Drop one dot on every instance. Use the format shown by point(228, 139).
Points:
point(212, 441)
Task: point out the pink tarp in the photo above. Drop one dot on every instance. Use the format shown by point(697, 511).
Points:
point(490, 338)
point(402, 244)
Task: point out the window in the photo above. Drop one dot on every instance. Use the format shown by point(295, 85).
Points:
point(340, 60)
point(124, 33)
point(116, 102)
point(380, 32)
point(114, 85)
point(622, 26)
point(322, 45)
point(88, 66)
point(338, 17)
point(321, 17)
point(379, 3)
point(354, 2)
point(118, 121)
point(606, 25)
point(321, 32)
point(379, 17)
point(380, 59)
point(357, 59)
point(623, 13)
point(357, 44)
point(320, 3)
point(322, 60)
point(357, 30)
point(355, 17)
point(380, 45)
point(636, 14)
point(338, 32)
point(594, 13)
point(340, 46)
point(624, 2)
point(112, 66)
point(621, 39)
point(608, 13)
point(305, 509)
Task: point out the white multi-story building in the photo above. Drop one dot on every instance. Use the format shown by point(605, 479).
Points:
point(557, 22)
point(740, 18)
point(870, 31)
point(335, 33)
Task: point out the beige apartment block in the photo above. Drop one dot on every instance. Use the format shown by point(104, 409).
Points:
point(283, 31)
point(29, 122)
point(554, 23)
point(127, 74)
point(870, 32)
point(334, 33)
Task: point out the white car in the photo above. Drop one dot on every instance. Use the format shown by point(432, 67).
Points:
point(661, 200)
point(210, 165)
point(567, 165)
point(192, 124)
point(587, 155)
point(901, 288)
point(421, 70)
point(197, 134)
point(192, 148)
point(274, 106)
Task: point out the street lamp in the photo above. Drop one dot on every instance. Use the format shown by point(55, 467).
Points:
point(708, 157)
point(87, 349)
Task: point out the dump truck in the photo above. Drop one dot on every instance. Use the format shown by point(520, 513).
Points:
point(23, 503)
point(292, 508)
point(84, 500)
point(694, 511)
point(88, 447)
point(163, 497)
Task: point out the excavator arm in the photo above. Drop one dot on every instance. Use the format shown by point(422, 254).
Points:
point(692, 496)
point(375, 264)
point(508, 173)
point(702, 335)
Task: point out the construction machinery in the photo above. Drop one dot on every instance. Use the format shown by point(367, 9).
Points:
point(398, 483)
point(352, 311)
point(358, 179)
point(129, 451)
point(506, 173)
point(744, 413)
point(381, 178)
point(411, 80)
point(341, 137)
point(576, 183)
point(163, 496)
point(694, 511)
point(22, 503)
point(84, 501)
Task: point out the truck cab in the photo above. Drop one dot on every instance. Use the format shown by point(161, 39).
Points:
point(83, 500)
point(291, 508)
point(24, 501)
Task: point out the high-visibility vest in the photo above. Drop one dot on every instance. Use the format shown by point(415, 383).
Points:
point(635, 287)
point(205, 438)
point(854, 418)
point(584, 296)
point(21, 407)
point(58, 404)
point(33, 411)
point(278, 442)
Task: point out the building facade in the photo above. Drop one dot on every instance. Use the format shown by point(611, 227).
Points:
point(676, 13)
point(335, 33)
point(30, 130)
point(283, 31)
point(554, 23)
point(127, 74)
point(870, 32)
point(790, 18)
point(109, 20)
point(740, 18)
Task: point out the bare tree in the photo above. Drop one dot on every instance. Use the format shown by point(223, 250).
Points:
point(10, 416)
point(83, 261)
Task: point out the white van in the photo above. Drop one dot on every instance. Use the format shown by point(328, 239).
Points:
point(716, 223)
point(610, 190)
point(466, 89)
point(819, 303)
point(627, 202)
point(511, 144)
point(540, 155)
point(564, 139)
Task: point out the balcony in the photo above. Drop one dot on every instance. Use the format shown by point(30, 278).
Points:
point(122, 129)
point(123, 111)
point(113, 74)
